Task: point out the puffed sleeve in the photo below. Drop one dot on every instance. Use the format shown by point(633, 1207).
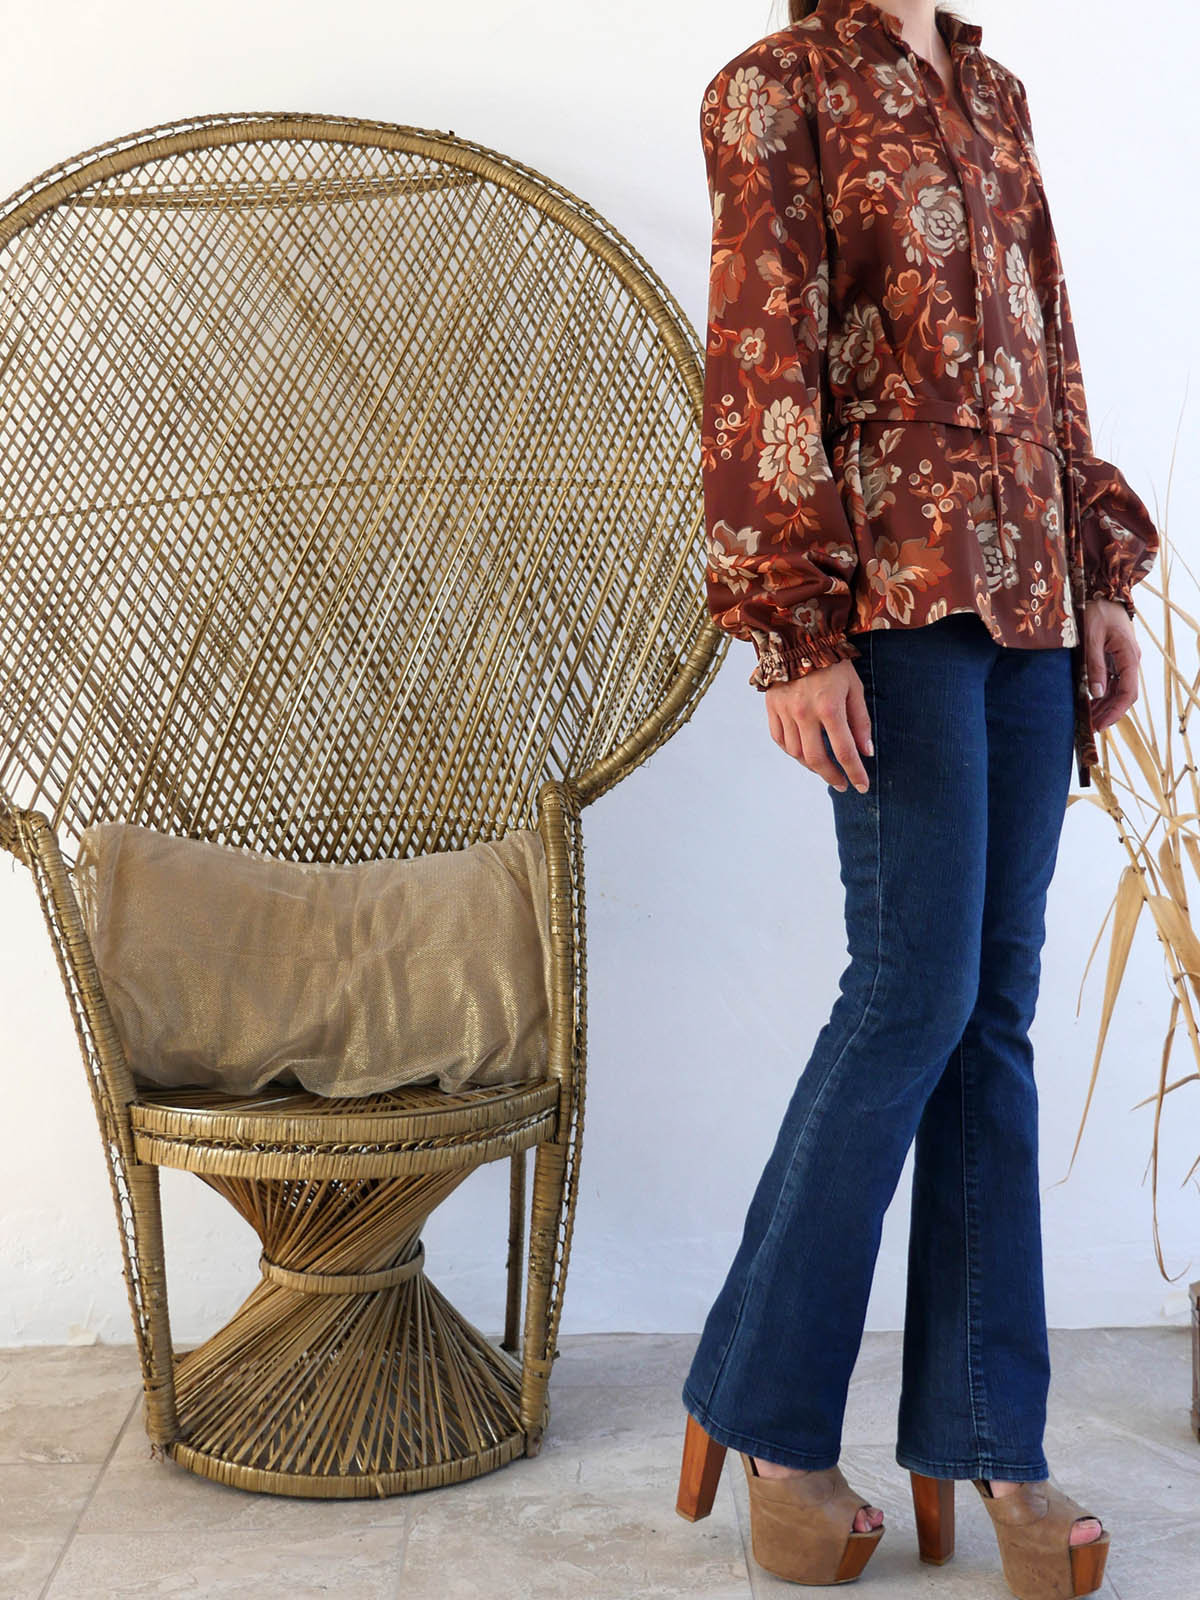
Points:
point(780, 551)
point(1119, 538)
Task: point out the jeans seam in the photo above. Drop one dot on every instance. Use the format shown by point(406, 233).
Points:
point(834, 1065)
point(971, 1254)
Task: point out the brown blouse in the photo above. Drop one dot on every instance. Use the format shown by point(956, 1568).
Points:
point(894, 424)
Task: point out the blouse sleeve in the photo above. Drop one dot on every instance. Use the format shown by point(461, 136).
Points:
point(780, 550)
point(1119, 537)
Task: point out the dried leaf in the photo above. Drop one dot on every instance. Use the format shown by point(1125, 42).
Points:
point(1172, 874)
point(1190, 1077)
point(1177, 931)
point(1149, 767)
point(1129, 900)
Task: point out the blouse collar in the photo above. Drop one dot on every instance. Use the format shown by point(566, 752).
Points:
point(856, 14)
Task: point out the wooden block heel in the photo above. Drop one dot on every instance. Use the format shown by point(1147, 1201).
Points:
point(801, 1528)
point(703, 1459)
point(933, 1506)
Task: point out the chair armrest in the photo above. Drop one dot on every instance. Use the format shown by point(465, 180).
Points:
point(36, 844)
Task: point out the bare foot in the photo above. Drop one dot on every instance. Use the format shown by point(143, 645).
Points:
point(1083, 1529)
point(865, 1518)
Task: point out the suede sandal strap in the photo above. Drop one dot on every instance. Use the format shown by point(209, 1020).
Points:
point(1033, 1528)
point(1033, 1502)
point(802, 1526)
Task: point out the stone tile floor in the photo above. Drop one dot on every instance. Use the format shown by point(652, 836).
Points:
point(86, 1514)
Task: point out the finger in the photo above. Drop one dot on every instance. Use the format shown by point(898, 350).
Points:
point(1113, 707)
point(1124, 655)
point(1110, 711)
point(1095, 643)
point(845, 749)
point(781, 719)
point(859, 717)
point(777, 723)
point(817, 757)
point(1122, 684)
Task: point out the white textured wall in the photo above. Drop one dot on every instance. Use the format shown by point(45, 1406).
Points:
point(716, 933)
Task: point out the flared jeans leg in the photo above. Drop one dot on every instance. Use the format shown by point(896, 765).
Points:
point(771, 1370)
point(976, 1358)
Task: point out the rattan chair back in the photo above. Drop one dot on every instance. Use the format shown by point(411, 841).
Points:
point(350, 491)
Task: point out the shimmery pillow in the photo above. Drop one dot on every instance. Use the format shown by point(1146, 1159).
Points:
point(230, 968)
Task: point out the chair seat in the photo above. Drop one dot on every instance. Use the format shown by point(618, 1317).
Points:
point(283, 1132)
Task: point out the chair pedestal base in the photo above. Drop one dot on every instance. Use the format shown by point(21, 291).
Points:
point(360, 1381)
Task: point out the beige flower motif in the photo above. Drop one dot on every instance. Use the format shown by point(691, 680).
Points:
point(956, 346)
point(853, 353)
point(810, 614)
point(759, 116)
point(793, 456)
point(839, 100)
point(998, 549)
point(877, 474)
point(725, 548)
point(751, 348)
point(898, 86)
point(811, 327)
point(1004, 380)
point(935, 222)
point(1022, 295)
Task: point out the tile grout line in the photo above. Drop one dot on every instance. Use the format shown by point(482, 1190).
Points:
point(743, 1527)
point(104, 1465)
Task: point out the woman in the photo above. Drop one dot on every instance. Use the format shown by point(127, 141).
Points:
point(906, 519)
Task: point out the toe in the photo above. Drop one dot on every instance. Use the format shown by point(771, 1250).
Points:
point(1085, 1529)
point(867, 1518)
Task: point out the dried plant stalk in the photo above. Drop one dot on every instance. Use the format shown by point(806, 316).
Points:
point(1140, 768)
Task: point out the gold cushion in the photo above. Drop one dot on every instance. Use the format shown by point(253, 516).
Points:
point(231, 968)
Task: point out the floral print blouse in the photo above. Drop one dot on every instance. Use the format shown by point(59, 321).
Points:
point(894, 421)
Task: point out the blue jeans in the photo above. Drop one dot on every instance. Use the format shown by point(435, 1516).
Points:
point(946, 861)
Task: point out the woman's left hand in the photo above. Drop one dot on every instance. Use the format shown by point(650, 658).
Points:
point(1111, 654)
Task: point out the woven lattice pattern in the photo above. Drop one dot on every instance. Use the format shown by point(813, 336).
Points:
point(351, 508)
point(350, 492)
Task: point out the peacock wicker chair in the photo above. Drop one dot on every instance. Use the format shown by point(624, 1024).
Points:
point(351, 509)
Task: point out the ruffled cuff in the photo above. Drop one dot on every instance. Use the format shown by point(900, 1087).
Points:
point(803, 654)
point(1119, 539)
point(1112, 592)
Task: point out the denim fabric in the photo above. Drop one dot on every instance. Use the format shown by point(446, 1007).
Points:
point(946, 862)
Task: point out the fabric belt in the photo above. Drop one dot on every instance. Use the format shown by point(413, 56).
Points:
point(845, 412)
point(963, 416)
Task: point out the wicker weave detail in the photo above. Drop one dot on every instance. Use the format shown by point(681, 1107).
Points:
point(342, 1282)
point(415, 1117)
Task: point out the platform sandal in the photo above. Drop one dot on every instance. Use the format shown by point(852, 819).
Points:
point(1033, 1531)
point(801, 1528)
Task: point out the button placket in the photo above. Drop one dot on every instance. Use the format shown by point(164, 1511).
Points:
point(1065, 420)
point(986, 398)
point(1086, 751)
